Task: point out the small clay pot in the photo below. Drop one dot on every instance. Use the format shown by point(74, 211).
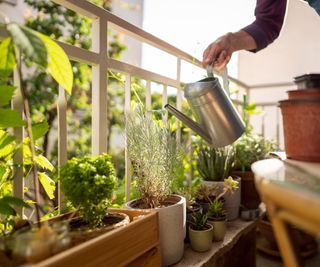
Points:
point(301, 126)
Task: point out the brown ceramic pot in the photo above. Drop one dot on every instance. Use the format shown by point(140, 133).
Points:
point(301, 126)
point(305, 93)
point(250, 198)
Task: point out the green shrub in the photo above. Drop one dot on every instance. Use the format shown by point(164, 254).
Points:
point(88, 183)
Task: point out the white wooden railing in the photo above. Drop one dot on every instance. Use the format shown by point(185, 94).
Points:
point(97, 57)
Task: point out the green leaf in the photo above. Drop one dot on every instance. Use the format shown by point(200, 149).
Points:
point(6, 209)
point(7, 58)
point(30, 45)
point(6, 93)
point(10, 118)
point(15, 201)
point(5, 139)
point(47, 183)
point(44, 163)
point(58, 63)
point(39, 129)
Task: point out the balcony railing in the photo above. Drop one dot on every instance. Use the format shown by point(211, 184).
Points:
point(97, 58)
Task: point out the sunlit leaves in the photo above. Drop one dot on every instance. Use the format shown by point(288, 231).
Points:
point(47, 183)
point(29, 44)
point(10, 118)
point(6, 93)
point(39, 129)
point(7, 58)
point(58, 63)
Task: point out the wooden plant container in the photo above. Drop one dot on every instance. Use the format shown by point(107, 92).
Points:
point(136, 244)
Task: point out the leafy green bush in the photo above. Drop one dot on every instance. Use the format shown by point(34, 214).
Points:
point(250, 148)
point(214, 164)
point(89, 182)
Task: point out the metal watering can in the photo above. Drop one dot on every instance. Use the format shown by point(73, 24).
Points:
point(218, 122)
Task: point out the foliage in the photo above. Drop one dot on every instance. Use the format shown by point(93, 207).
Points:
point(214, 164)
point(199, 221)
point(216, 206)
point(250, 148)
point(89, 182)
point(33, 47)
point(216, 209)
point(154, 155)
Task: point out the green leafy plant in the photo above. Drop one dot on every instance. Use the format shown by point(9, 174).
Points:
point(214, 164)
point(154, 155)
point(216, 206)
point(199, 221)
point(24, 44)
point(89, 182)
point(250, 148)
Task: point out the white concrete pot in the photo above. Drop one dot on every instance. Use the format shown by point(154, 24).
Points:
point(232, 202)
point(172, 227)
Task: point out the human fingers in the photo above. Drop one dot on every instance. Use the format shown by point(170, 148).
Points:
point(210, 54)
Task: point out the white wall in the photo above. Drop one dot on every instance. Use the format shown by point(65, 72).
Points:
point(295, 52)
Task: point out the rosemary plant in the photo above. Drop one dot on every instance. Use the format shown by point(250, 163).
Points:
point(154, 155)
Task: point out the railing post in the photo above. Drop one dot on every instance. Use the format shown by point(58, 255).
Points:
point(99, 87)
point(62, 139)
point(18, 181)
point(127, 108)
point(179, 100)
point(164, 102)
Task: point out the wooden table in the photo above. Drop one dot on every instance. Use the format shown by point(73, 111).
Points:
point(237, 249)
point(291, 191)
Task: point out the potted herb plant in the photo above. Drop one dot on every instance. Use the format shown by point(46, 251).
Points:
point(217, 213)
point(88, 183)
point(200, 232)
point(155, 158)
point(214, 166)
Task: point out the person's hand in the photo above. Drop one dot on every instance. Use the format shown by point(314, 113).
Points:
point(219, 53)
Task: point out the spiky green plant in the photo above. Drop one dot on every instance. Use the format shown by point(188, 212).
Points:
point(199, 221)
point(216, 209)
point(154, 154)
point(214, 164)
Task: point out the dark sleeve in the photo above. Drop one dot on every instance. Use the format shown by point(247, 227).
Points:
point(269, 19)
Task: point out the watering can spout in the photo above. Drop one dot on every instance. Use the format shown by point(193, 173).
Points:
point(189, 122)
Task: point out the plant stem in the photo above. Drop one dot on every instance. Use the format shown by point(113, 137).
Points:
point(32, 146)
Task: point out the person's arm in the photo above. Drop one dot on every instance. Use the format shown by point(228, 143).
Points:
point(256, 36)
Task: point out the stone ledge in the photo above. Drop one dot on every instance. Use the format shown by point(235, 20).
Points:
point(235, 230)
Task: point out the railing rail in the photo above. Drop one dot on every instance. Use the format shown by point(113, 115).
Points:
point(97, 57)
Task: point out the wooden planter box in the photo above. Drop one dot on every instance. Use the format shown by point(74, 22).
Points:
point(136, 244)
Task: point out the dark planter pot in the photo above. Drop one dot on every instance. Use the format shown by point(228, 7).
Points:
point(250, 198)
point(306, 244)
point(191, 210)
point(301, 126)
point(307, 81)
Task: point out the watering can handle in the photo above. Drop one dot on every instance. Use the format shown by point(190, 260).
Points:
point(224, 77)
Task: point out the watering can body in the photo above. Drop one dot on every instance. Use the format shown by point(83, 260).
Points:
point(218, 121)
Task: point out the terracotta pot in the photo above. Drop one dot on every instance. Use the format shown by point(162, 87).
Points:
point(301, 126)
point(250, 198)
point(306, 93)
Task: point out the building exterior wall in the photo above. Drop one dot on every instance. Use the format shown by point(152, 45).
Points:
point(295, 52)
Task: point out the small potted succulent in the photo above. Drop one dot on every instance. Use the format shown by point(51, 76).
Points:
point(214, 166)
point(155, 159)
point(200, 232)
point(217, 213)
